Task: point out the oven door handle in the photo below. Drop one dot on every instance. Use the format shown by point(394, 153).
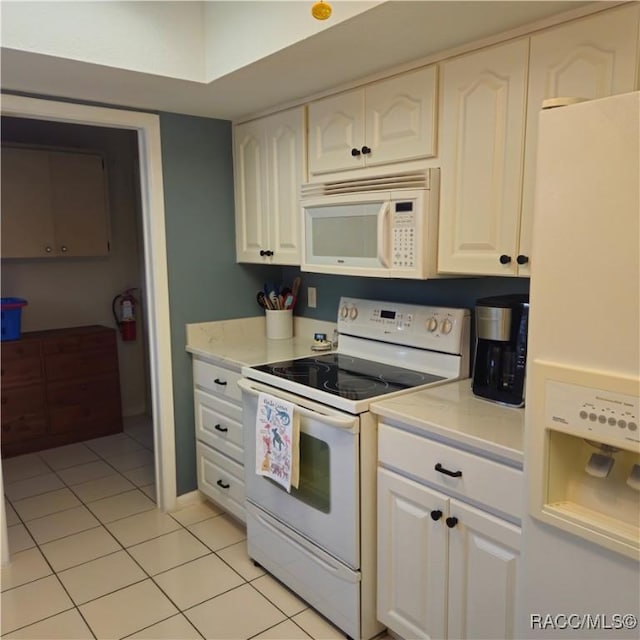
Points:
point(349, 424)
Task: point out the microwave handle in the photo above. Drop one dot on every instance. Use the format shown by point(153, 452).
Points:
point(383, 235)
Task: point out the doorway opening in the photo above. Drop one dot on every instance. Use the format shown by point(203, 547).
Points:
point(146, 127)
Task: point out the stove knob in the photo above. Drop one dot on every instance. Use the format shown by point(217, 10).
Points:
point(432, 324)
point(344, 312)
point(446, 326)
point(353, 314)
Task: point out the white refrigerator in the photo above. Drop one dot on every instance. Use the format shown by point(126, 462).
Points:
point(580, 575)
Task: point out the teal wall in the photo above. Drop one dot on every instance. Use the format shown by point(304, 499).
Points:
point(446, 292)
point(205, 283)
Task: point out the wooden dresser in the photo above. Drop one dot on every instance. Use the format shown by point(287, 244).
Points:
point(59, 386)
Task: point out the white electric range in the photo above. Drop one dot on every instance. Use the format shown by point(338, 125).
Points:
point(319, 539)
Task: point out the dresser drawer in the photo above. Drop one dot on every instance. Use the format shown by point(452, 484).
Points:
point(21, 371)
point(82, 341)
point(20, 349)
point(21, 401)
point(223, 382)
point(61, 366)
point(484, 481)
point(23, 427)
point(221, 479)
point(219, 423)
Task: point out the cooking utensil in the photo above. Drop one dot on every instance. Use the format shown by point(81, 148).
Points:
point(273, 299)
point(295, 287)
point(263, 300)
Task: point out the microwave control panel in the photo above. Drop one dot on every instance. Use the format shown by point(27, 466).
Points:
point(403, 238)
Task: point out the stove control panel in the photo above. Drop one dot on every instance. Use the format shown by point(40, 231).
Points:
point(438, 328)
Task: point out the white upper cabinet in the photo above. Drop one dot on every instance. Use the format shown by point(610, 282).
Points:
point(482, 142)
point(489, 109)
point(269, 165)
point(384, 123)
point(54, 204)
point(590, 58)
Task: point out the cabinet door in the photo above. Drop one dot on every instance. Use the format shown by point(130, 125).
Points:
point(285, 142)
point(590, 58)
point(483, 107)
point(412, 557)
point(400, 118)
point(483, 567)
point(250, 169)
point(27, 222)
point(79, 197)
point(336, 128)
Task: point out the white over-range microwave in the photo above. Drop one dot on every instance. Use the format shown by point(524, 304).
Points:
point(379, 227)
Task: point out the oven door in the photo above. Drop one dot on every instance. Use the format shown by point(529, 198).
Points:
point(325, 508)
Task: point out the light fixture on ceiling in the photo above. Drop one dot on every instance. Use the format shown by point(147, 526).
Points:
point(321, 10)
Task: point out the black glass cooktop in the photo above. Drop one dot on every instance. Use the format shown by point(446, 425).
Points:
point(347, 376)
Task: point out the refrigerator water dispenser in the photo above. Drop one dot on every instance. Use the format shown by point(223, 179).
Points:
point(587, 442)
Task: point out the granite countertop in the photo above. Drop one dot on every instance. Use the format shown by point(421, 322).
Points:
point(242, 342)
point(451, 411)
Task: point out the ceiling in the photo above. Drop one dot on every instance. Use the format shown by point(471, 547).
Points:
point(388, 35)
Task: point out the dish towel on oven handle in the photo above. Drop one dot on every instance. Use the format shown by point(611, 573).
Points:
point(278, 441)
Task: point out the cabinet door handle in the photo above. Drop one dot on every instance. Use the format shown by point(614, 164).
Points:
point(355, 152)
point(451, 522)
point(522, 259)
point(222, 383)
point(453, 474)
point(366, 150)
point(221, 428)
point(436, 514)
point(265, 252)
point(223, 485)
point(505, 259)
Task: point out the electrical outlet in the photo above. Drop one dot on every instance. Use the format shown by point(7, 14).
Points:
point(311, 297)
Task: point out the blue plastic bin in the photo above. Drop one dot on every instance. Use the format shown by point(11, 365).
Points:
point(10, 316)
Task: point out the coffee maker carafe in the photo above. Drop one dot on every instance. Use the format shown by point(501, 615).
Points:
point(501, 348)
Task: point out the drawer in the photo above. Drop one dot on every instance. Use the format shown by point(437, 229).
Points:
point(23, 427)
point(104, 390)
point(61, 366)
point(20, 349)
point(221, 479)
point(219, 424)
point(21, 371)
point(216, 379)
point(85, 418)
point(21, 401)
point(89, 341)
point(484, 481)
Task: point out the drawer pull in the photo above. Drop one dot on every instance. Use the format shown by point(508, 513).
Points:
point(453, 474)
point(436, 514)
point(451, 522)
point(221, 428)
point(222, 383)
point(223, 485)
point(4, 400)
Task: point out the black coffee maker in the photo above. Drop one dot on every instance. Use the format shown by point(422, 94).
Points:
point(501, 348)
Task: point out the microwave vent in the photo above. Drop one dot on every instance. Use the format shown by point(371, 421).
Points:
point(410, 180)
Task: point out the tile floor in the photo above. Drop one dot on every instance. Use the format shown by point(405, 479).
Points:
point(92, 557)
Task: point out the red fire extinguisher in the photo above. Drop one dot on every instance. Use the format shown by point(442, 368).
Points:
point(124, 312)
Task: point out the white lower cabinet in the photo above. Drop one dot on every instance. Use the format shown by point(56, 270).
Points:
point(219, 439)
point(446, 569)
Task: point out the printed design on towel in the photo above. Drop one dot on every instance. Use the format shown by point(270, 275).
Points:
point(277, 440)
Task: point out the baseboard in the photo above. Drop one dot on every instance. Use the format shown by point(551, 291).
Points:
point(189, 499)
